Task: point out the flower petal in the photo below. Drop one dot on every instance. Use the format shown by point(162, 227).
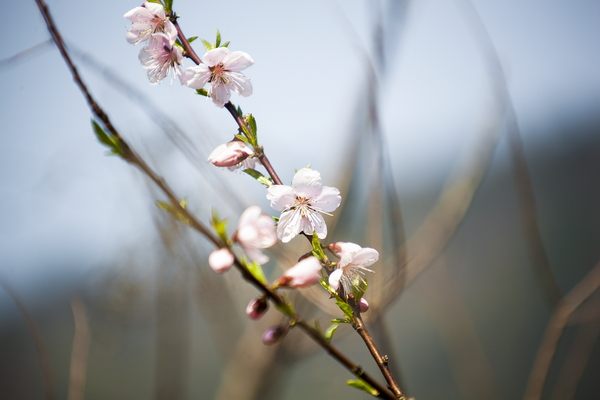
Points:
point(237, 61)
point(249, 215)
point(239, 82)
point(289, 225)
point(215, 56)
point(282, 197)
point(155, 9)
point(319, 226)
point(219, 94)
point(307, 183)
point(256, 255)
point(328, 200)
point(137, 13)
point(365, 257)
point(334, 279)
point(196, 77)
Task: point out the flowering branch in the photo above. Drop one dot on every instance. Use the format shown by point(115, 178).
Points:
point(119, 146)
point(189, 52)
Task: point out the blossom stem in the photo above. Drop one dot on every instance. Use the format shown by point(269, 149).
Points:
point(382, 361)
point(260, 153)
point(189, 52)
point(129, 155)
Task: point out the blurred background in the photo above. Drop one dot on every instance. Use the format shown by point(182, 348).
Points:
point(464, 138)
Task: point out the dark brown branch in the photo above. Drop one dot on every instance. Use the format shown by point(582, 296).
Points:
point(133, 158)
point(38, 341)
point(189, 52)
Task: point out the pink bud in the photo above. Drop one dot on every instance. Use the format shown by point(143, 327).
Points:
point(303, 274)
point(340, 248)
point(257, 307)
point(364, 305)
point(230, 154)
point(220, 260)
point(274, 334)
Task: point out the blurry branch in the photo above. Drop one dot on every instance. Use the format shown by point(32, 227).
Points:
point(558, 321)
point(25, 54)
point(129, 155)
point(529, 223)
point(80, 352)
point(577, 358)
point(38, 341)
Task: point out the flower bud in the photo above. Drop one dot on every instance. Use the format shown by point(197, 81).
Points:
point(257, 307)
point(340, 248)
point(303, 274)
point(220, 260)
point(274, 334)
point(364, 305)
point(230, 154)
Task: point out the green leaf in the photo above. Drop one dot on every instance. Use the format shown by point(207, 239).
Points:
point(330, 331)
point(276, 219)
point(220, 227)
point(226, 44)
point(183, 203)
point(287, 308)
point(168, 5)
point(346, 309)
point(256, 270)
point(239, 111)
point(359, 287)
point(175, 211)
point(258, 176)
point(340, 321)
point(218, 42)
point(317, 249)
point(207, 45)
point(190, 40)
point(108, 140)
point(202, 92)
point(244, 139)
point(364, 386)
point(252, 124)
point(179, 45)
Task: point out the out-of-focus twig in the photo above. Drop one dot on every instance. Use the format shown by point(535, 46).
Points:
point(80, 352)
point(558, 321)
point(38, 341)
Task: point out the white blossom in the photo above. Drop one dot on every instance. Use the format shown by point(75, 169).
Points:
point(221, 69)
point(255, 231)
point(301, 205)
point(159, 57)
point(303, 274)
point(352, 266)
point(147, 20)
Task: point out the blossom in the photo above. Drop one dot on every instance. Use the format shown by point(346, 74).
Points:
point(255, 231)
point(221, 68)
point(257, 307)
point(301, 204)
point(233, 155)
point(147, 20)
point(303, 274)
point(352, 265)
point(220, 260)
point(159, 57)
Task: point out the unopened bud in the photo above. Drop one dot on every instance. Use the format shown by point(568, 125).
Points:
point(274, 334)
point(257, 307)
point(364, 305)
point(303, 274)
point(220, 260)
point(230, 154)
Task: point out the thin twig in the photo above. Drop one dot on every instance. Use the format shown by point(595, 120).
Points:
point(133, 158)
point(558, 321)
point(80, 352)
point(38, 341)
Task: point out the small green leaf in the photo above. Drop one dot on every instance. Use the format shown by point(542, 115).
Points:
point(276, 219)
point(287, 308)
point(179, 45)
point(258, 176)
point(244, 139)
point(330, 331)
point(256, 270)
point(346, 309)
point(252, 124)
point(226, 44)
point(239, 111)
point(359, 287)
point(202, 92)
point(364, 386)
point(183, 203)
point(190, 40)
point(175, 211)
point(317, 249)
point(340, 321)
point(220, 227)
point(207, 45)
point(108, 140)
point(218, 39)
point(168, 5)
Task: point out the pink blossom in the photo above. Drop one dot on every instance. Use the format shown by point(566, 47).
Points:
point(220, 68)
point(220, 260)
point(159, 57)
point(301, 205)
point(352, 265)
point(257, 307)
point(303, 274)
point(233, 155)
point(147, 20)
point(255, 231)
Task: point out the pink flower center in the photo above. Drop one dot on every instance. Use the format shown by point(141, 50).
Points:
point(218, 73)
